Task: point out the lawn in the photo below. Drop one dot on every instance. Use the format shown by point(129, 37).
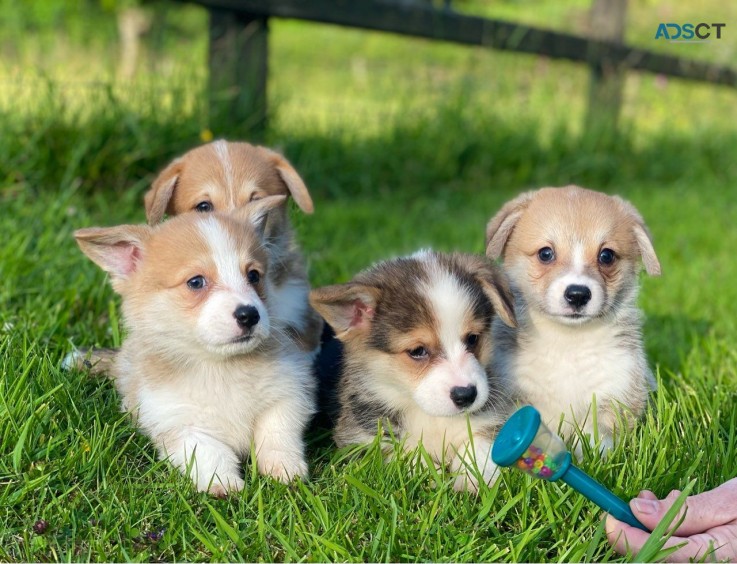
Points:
point(403, 144)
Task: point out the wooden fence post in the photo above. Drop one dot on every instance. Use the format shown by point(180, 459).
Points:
point(238, 61)
point(607, 77)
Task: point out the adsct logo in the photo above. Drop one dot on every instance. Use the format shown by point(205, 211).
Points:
point(688, 32)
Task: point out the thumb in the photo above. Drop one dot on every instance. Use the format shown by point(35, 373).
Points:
point(701, 513)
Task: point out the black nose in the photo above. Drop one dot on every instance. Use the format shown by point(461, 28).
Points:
point(576, 295)
point(246, 316)
point(463, 396)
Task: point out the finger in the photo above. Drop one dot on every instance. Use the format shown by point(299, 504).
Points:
point(623, 537)
point(694, 549)
point(704, 511)
point(647, 494)
point(627, 539)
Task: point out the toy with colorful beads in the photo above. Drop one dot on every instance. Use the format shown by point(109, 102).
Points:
point(526, 443)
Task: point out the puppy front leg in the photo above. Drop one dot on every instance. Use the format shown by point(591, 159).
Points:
point(212, 465)
point(601, 438)
point(280, 449)
point(471, 460)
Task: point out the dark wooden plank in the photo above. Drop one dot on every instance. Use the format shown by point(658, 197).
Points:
point(606, 83)
point(238, 63)
point(419, 19)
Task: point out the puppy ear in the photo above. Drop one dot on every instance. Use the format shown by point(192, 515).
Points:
point(501, 225)
point(256, 212)
point(158, 197)
point(348, 308)
point(293, 181)
point(643, 238)
point(496, 287)
point(647, 251)
point(117, 250)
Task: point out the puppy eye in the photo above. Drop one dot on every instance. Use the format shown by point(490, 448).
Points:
point(471, 340)
point(607, 256)
point(204, 207)
point(546, 254)
point(418, 353)
point(196, 282)
point(253, 276)
point(256, 196)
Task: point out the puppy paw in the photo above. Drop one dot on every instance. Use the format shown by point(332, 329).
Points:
point(96, 362)
point(466, 483)
point(227, 485)
point(469, 482)
point(475, 467)
point(281, 466)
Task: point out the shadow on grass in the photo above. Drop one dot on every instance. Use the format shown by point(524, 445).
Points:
point(111, 148)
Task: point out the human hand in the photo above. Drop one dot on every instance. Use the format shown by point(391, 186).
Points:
point(710, 524)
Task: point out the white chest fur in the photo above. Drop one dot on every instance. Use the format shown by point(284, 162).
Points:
point(560, 369)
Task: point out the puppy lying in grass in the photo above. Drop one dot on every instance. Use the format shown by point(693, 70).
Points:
point(225, 176)
point(573, 257)
point(417, 341)
point(206, 369)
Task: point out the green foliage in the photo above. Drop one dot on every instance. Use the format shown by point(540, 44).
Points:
point(403, 144)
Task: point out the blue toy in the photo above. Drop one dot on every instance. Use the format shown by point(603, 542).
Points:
point(525, 442)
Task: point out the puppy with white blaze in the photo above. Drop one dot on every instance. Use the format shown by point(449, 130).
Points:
point(416, 334)
point(206, 370)
point(573, 256)
point(224, 176)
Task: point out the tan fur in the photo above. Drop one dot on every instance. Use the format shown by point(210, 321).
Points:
point(434, 302)
point(248, 173)
point(203, 387)
point(557, 359)
point(232, 175)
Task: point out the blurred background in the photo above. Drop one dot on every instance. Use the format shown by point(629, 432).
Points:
point(136, 72)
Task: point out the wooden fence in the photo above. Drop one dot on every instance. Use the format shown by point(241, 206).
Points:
point(238, 56)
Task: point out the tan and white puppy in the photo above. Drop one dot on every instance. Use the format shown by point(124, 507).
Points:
point(416, 333)
point(205, 369)
point(225, 176)
point(573, 256)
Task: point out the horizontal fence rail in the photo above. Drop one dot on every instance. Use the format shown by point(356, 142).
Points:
point(418, 19)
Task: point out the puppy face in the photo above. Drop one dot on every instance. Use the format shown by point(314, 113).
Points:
point(573, 253)
point(223, 176)
point(195, 285)
point(420, 327)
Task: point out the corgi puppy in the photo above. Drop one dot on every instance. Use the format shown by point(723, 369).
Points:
point(205, 369)
point(572, 256)
point(417, 342)
point(224, 176)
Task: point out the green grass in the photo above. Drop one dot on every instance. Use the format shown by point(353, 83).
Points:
point(403, 144)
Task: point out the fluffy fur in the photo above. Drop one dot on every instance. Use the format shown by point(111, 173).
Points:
point(573, 256)
point(205, 369)
point(225, 176)
point(417, 344)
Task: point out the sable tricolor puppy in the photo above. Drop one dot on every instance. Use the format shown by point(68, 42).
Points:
point(417, 344)
point(573, 257)
point(205, 369)
point(225, 176)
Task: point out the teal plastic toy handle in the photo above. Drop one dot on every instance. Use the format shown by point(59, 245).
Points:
point(601, 496)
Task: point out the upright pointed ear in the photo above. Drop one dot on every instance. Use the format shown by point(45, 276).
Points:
point(159, 195)
point(289, 176)
point(643, 238)
point(348, 308)
point(256, 212)
point(117, 250)
point(501, 225)
point(496, 287)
